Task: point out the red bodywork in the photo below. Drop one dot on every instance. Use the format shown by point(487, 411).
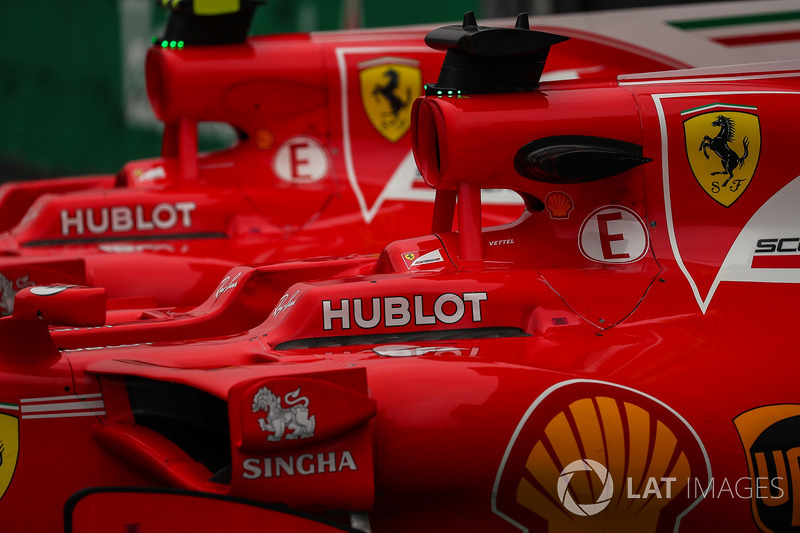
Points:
point(322, 166)
point(617, 359)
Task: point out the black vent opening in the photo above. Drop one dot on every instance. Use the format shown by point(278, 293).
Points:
point(570, 159)
point(408, 336)
point(195, 421)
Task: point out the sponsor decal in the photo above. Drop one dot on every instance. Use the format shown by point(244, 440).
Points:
point(301, 429)
point(9, 289)
point(306, 464)
point(776, 252)
point(723, 143)
point(263, 138)
point(301, 159)
point(49, 290)
point(285, 303)
point(227, 284)
point(9, 447)
point(415, 259)
point(124, 248)
point(591, 456)
point(123, 218)
point(393, 311)
point(613, 234)
point(781, 246)
point(295, 413)
point(559, 205)
point(92, 348)
point(770, 436)
point(408, 350)
point(389, 86)
point(278, 420)
point(155, 173)
point(428, 258)
point(32, 214)
point(501, 242)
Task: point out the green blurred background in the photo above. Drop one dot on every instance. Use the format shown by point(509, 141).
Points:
point(72, 93)
point(72, 90)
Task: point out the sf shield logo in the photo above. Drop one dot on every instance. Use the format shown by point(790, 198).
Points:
point(771, 439)
point(723, 146)
point(388, 88)
point(9, 449)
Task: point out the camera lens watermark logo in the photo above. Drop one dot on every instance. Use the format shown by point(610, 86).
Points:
point(587, 509)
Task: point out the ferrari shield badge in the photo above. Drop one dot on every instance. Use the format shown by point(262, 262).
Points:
point(9, 449)
point(388, 88)
point(723, 144)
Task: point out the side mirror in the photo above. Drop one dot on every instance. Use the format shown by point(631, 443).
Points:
point(63, 305)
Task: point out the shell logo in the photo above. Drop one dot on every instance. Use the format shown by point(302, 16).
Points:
point(593, 456)
point(558, 204)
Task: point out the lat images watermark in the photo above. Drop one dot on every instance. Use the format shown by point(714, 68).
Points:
point(770, 489)
point(586, 509)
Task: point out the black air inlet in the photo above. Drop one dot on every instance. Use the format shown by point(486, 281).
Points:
point(565, 159)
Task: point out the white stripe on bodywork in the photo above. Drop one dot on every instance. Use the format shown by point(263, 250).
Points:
point(66, 406)
point(65, 415)
point(70, 397)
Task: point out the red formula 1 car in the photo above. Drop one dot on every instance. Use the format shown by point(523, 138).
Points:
point(617, 359)
point(322, 166)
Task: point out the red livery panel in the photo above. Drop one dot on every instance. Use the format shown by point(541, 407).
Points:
point(617, 358)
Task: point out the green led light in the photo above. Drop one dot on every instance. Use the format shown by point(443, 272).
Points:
point(438, 92)
point(153, 40)
point(164, 44)
point(449, 92)
point(180, 44)
point(173, 44)
point(425, 87)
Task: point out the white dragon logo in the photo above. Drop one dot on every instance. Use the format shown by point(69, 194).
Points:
point(278, 419)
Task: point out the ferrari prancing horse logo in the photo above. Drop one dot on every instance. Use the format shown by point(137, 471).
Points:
point(9, 449)
point(388, 88)
point(723, 147)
